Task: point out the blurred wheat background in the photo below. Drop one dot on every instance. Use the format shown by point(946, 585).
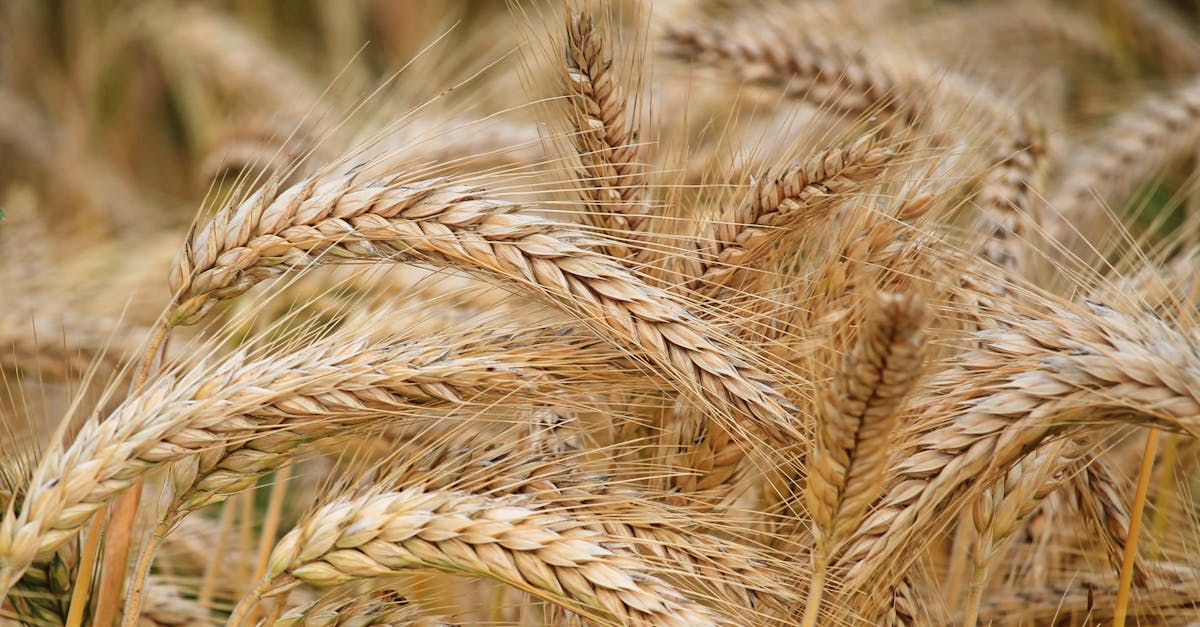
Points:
point(564, 312)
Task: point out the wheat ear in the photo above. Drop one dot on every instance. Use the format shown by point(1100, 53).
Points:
point(855, 419)
point(999, 511)
point(1034, 379)
point(1007, 197)
point(547, 553)
point(606, 134)
point(279, 401)
point(341, 218)
point(779, 204)
point(1140, 143)
point(809, 70)
point(727, 571)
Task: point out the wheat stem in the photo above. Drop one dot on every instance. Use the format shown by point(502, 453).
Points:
point(87, 567)
point(1135, 525)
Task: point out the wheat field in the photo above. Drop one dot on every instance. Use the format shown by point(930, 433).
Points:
point(603, 312)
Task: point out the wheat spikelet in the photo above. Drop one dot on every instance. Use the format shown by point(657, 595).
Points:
point(548, 553)
point(902, 610)
point(605, 136)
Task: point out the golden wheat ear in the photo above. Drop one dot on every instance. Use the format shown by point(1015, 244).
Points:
point(1080, 368)
point(605, 133)
point(1137, 146)
point(774, 204)
point(855, 420)
point(549, 554)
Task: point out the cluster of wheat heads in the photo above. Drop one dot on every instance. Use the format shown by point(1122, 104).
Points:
point(675, 313)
